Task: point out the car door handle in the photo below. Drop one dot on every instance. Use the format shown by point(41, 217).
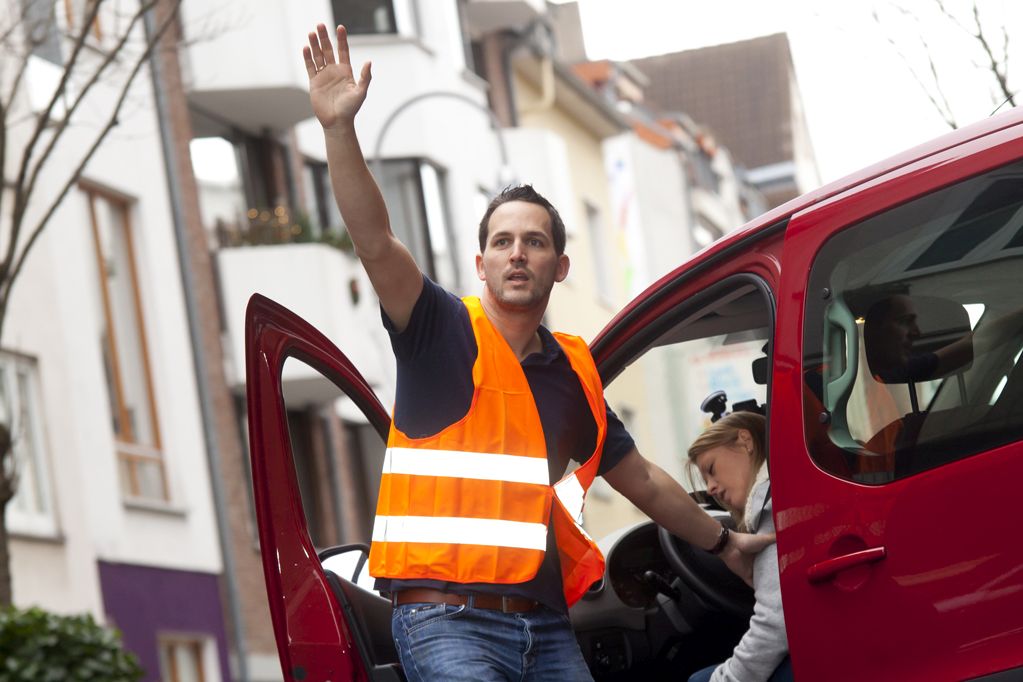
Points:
point(826, 570)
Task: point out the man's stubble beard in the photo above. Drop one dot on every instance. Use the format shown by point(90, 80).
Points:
point(535, 297)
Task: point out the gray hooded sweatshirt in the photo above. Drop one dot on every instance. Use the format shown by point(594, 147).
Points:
point(765, 644)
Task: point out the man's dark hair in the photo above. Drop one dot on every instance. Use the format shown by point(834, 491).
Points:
point(528, 194)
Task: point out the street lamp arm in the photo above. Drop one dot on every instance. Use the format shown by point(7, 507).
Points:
point(494, 123)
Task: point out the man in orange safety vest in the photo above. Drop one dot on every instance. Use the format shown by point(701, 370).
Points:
point(477, 534)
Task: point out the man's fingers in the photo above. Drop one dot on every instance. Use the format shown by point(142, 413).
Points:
point(748, 543)
point(325, 46)
point(307, 56)
point(366, 76)
point(315, 53)
point(343, 55)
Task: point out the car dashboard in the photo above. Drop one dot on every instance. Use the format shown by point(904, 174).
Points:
point(641, 621)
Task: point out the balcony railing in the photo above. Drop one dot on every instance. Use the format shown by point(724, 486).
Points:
point(275, 226)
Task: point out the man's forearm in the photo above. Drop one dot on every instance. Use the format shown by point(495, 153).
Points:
point(357, 194)
point(660, 497)
point(670, 506)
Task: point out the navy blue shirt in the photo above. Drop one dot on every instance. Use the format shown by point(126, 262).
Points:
point(435, 354)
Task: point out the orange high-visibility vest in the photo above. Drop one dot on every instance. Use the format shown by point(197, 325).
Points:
point(471, 504)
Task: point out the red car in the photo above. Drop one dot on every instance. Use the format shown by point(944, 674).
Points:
point(880, 314)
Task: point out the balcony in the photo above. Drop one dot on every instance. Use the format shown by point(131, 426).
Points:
point(495, 15)
point(325, 286)
point(241, 62)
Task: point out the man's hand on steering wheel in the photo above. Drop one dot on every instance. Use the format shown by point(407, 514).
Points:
point(738, 554)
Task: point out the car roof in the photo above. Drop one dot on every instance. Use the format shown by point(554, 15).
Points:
point(921, 151)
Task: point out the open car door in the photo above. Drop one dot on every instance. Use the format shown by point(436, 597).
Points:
point(319, 619)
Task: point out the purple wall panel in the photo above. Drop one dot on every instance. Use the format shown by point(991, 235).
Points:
point(143, 602)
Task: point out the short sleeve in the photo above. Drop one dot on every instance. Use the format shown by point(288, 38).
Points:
point(617, 443)
point(436, 348)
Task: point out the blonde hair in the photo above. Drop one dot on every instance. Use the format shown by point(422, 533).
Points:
point(725, 432)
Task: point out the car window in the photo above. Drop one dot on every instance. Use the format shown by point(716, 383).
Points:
point(338, 457)
point(912, 333)
point(715, 340)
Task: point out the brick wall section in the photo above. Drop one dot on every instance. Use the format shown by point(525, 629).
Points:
point(234, 473)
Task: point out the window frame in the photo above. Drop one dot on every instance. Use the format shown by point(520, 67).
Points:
point(201, 647)
point(70, 12)
point(129, 451)
point(404, 15)
point(44, 523)
point(644, 339)
point(422, 243)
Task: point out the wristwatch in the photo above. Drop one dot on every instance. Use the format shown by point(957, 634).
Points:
point(722, 542)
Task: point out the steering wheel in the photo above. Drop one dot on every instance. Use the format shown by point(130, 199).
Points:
point(706, 575)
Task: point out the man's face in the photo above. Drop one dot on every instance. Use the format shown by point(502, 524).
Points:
point(900, 330)
point(519, 263)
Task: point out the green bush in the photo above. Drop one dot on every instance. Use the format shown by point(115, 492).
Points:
point(36, 646)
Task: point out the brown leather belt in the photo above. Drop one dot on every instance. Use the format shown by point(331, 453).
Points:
point(495, 602)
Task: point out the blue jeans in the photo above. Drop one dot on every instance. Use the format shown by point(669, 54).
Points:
point(783, 673)
point(447, 642)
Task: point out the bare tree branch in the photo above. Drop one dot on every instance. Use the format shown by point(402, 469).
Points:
point(7, 282)
point(32, 42)
point(953, 18)
point(995, 66)
point(20, 201)
point(15, 25)
point(8, 463)
point(943, 107)
point(950, 119)
point(55, 136)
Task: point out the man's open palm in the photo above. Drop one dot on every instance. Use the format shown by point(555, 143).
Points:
point(333, 90)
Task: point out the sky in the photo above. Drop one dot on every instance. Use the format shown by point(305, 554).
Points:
point(860, 100)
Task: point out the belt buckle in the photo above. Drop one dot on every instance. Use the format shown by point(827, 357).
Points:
point(505, 608)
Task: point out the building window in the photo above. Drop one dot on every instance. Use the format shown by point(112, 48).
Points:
point(40, 24)
point(246, 188)
point(187, 659)
point(416, 196)
point(598, 247)
point(320, 205)
point(125, 351)
point(75, 11)
point(700, 171)
point(31, 509)
point(374, 17)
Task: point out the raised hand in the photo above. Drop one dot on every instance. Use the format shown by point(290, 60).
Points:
point(333, 91)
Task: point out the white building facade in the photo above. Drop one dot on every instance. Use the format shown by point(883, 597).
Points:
point(113, 515)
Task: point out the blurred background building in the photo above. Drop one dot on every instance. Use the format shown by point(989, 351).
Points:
point(125, 353)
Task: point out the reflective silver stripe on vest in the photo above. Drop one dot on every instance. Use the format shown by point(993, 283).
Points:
point(460, 531)
point(482, 466)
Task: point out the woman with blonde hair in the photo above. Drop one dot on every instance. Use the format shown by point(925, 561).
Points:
point(731, 456)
